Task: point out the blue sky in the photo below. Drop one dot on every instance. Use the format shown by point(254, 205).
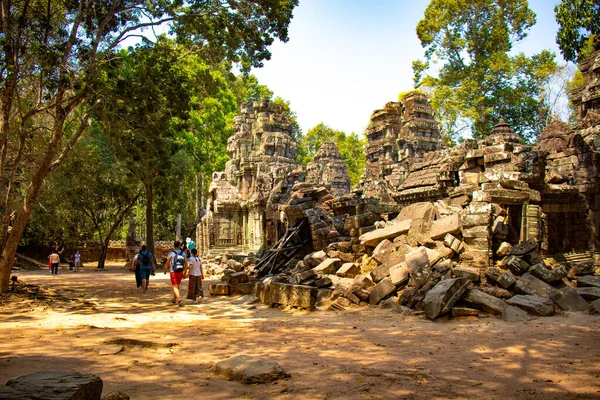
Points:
point(346, 58)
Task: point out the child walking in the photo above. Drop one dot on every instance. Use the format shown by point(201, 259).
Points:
point(196, 276)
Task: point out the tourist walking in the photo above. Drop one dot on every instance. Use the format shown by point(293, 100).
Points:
point(77, 257)
point(196, 277)
point(144, 259)
point(54, 261)
point(177, 266)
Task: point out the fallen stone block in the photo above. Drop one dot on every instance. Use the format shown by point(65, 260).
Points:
point(493, 273)
point(399, 274)
point(569, 299)
point(351, 297)
point(540, 271)
point(533, 304)
point(496, 292)
point(241, 289)
point(503, 249)
point(516, 265)
point(515, 314)
point(381, 291)
point(589, 293)
point(533, 257)
point(238, 277)
point(443, 266)
point(586, 268)
point(447, 225)
point(363, 282)
point(523, 248)
point(476, 232)
point(559, 273)
point(588, 280)
point(379, 273)
point(417, 262)
point(348, 270)
point(315, 258)
point(440, 299)
point(595, 307)
point(304, 276)
point(484, 301)
point(53, 385)
point(456, 312)
point(250, 370)
point(471, 274)
point(323, 282)
point(506, 280)
point(235, 265)
point(328, 266)
point(218, 289)
point(382, 251)
point(389, 232)
point(291, 295)
point(530, 285)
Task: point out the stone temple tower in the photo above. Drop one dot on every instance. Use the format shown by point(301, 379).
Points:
point(328, 168)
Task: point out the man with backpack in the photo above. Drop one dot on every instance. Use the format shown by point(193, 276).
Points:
point(177, 265)
point(144, 260)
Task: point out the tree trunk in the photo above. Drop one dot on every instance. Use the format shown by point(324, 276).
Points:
point(103, 251)
point(149, 220)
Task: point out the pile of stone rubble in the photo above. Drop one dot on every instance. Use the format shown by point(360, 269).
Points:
point(414, 263)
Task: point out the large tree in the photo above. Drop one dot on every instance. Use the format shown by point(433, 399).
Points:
point(479, 81)
point(52, 55)
point(578, 20)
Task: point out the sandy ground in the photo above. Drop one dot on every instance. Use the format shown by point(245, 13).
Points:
point(367, 353)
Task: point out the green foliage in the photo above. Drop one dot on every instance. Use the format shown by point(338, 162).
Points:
point(578, 21)
point(479, 82)
point(350, 146)
point(247, 88)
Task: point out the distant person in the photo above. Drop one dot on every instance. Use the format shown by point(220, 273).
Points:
point(137, 271)
point(77, 257)
point(177, 266)
point(71, 261)
point(190, 243)
point(144, 259)
point(196, 277)
point(54, 261)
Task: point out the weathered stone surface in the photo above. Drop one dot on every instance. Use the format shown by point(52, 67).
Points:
point(218, 289)
point(348, 270)
point(466, 272)
point(529, 284)
point(516, 265)
point(379, 273)
point(417, 262)
point(238, 277)
point(291, 295)
point(389, 232)
point(382, 251)
point(315, 258)
point(381, 291)
point(363, 282)
point(533, 257)
point(586, 268)
point(399, 274)
point(493, 273)
point(569, 299)
point(589, 293)
point(440, 299)
point(523, 247)
point(304, 276)
point(588, 280)
point(540, 271)
point(533, 304)
point(447, 225)
point(53, 385)
point(328, 168)
point(514, 314)
point(506, 280)
point(328, 266)
point(484, 301)
point(503, 249)
point(250, 370)
point(464, 312)
point(595, 307)
point(323, 282)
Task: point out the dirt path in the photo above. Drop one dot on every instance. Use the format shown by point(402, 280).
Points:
point(361, 353)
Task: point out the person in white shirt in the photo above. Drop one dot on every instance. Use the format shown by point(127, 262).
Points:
point(195, 282)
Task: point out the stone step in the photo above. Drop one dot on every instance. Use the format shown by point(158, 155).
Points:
point(573, 258)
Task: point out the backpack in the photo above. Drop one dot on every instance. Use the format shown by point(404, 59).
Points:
point(178, 261)
point(144, 258)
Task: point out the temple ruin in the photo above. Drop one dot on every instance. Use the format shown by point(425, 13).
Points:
point(493, 224)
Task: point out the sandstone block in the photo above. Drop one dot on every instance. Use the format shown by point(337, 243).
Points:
point(417, 262)
point(516, 265)
point(447, 225)
point(514, 314)
point(506, 280)
point(304, 276)
point(53, 385)
point(523, 247)
point(588, 280)
point(381, 291)
point(456, 312)
point(589, 293)
point(241, 289)
point(540, 271)
point(250, 370)
point(238, 277)
point(569, 299)
point(530, 285)
point(586, 268)
point(440, 299)
point(389, 232)
point(218, 289)
point(377, 274)
point(399, 274)
point(533, 304)
point(323, 282)
point(328, 266)
point(484, 301)
point(382, 251)
point(476, 232)
point(503, 249)
point(348, 270)
point(291, 295)
point(469, 273)
point(363, 282)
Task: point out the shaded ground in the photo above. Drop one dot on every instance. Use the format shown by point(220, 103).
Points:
point(361, 353)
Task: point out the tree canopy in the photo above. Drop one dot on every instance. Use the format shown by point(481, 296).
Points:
point(578, 21)
point(479, 81)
